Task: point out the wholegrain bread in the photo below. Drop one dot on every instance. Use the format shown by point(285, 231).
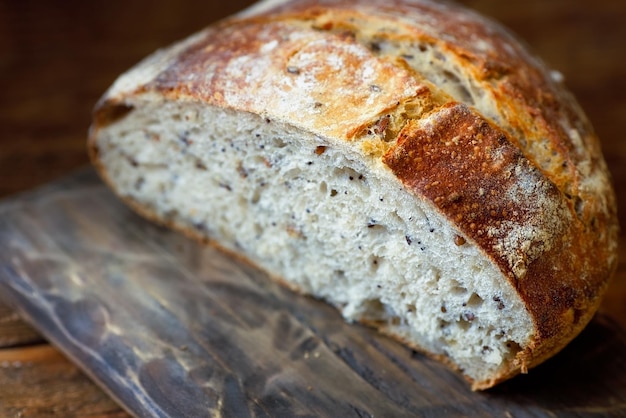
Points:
point(407, 161)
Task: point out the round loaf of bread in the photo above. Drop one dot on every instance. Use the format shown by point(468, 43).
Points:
point(407, 161)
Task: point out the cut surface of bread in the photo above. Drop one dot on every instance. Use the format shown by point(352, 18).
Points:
point(409, 163)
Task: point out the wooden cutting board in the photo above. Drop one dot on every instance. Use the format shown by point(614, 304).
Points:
point(170, 328)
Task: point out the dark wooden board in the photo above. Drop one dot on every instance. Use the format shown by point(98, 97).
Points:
point(172, 328)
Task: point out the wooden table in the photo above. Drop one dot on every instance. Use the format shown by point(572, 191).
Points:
point(56, 60)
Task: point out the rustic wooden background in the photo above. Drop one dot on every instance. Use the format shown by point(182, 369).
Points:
point(57, 58)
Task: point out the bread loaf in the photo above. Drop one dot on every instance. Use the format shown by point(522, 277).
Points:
point(407, 161)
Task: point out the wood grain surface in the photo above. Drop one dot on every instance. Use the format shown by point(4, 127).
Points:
point(57, 58)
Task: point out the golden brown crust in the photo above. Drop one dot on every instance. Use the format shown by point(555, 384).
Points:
point(530, 189)
point(288, 67)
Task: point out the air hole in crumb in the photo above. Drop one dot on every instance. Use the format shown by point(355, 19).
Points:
point(474, 301)
point(375, 228)
point(279, 142)
point(256, 196)
point(457, 288)
point(241, 170)
point(374, 310)
point(465, 320)
point(258, 162)
point(463, 94)
point(346, 172)
point(450, 76)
